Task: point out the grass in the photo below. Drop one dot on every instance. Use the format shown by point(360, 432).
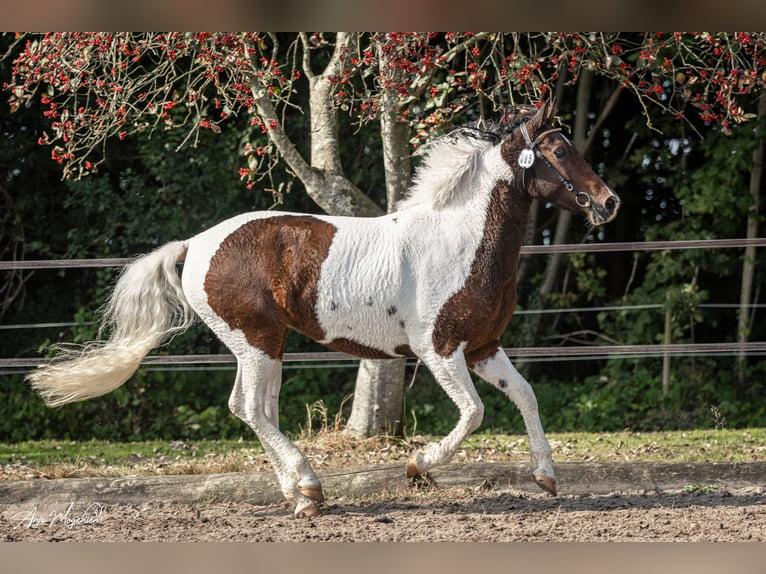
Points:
point(717, 445)
point(66, 459)
point(328, 448)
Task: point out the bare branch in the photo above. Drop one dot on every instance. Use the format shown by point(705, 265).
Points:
point(276, 131)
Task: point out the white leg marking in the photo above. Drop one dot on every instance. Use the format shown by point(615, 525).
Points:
point(253, 400)
point(498, 371)
point(452, 375)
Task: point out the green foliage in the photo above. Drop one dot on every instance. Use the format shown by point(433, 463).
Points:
point(149, 193)
point(94, 452)
point(589, 277)
point(303, 386)
point(700, 489)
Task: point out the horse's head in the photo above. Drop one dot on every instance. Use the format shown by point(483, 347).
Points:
point(550, 167)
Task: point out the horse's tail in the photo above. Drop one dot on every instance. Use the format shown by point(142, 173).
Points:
point(147, 308)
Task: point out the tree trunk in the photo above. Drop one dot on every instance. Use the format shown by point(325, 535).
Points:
point(323, 177)
point(565, 217)
point(333, 192)
point(378, 398)
point(379, 390)
point(748, 265)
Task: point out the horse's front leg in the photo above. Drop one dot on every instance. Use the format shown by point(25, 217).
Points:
point(452, 375)
point(498, 371)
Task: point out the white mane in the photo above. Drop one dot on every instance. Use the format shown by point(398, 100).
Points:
point(451, 163)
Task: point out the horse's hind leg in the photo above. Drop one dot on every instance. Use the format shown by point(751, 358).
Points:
point(254, 400)
point(498, 371)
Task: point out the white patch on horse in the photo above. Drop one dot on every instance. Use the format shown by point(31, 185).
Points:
point(360, 281)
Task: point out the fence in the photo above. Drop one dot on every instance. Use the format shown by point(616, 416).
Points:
point(553, 353)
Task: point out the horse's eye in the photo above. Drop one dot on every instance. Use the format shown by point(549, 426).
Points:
point(560, 152)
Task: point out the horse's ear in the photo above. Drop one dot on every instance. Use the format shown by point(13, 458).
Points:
point(544, 115)
point(552, 109)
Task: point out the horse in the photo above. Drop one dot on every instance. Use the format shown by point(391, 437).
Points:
point(433, 280)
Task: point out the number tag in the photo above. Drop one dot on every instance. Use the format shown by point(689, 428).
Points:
point(526, 158)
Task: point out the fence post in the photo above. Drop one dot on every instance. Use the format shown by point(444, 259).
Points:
point(666, 356)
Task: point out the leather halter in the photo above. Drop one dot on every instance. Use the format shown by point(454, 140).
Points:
point(581, 198)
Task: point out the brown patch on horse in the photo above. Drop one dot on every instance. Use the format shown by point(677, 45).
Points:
point(480, 311)
point(405, 351)
point(357, 349)
point(263, 279)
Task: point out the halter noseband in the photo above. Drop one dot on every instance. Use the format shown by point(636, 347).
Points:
point(527, 158)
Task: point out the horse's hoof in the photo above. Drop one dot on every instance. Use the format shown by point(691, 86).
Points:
point(313, 492)
point(547, 483)
point(416, 464)
point(308, 509)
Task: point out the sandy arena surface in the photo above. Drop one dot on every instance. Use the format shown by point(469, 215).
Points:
point(446, 514)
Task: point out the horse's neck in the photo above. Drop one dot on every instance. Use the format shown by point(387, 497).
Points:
point(503, 232)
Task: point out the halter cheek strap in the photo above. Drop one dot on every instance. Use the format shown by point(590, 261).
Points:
point(527, 158)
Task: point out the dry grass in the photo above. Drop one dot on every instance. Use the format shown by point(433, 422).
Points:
point(327, 446)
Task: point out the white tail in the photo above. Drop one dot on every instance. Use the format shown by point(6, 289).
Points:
point(146, 308)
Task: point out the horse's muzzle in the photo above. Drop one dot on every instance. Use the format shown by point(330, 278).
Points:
point(604, 211)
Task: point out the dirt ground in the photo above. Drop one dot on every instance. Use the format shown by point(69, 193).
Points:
point(702, 514)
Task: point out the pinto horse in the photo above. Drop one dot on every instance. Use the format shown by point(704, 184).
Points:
point(434, 280)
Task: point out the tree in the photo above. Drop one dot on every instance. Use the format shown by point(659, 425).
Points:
point(378, 391)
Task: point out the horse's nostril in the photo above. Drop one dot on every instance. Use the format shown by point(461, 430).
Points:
point(610, 204)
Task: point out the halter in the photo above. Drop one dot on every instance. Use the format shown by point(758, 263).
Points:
point(527, 158)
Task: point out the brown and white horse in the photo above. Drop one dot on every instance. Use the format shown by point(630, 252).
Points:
point(434, 280)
